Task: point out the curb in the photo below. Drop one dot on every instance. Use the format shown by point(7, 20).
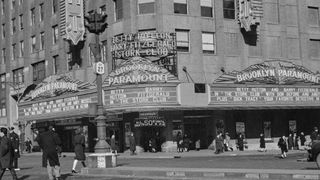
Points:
point(202, 173)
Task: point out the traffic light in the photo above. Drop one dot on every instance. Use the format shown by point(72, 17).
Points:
point(96, 23)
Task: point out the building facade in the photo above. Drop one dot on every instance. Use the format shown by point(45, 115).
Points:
point(195, 67)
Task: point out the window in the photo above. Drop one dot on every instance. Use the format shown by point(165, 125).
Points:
point(313, 16)
point(273, 12)
point(228, 9)
point(14, 51)
point(314, 46)
point(41, 9)
point(180, 6)
point(69, 59)
point(54, 6)
point(208, 42)
point(18, 76)
point(56, 64)
point(13, 3)
point(104, 51)
point(21, 21)
point(4, 56)
point(32, 17)
point(41, 40)
point(206, 8)
point(2, 95)
point(55, 34)
point(2, 6)
point(13, 21)
point(118, 9)
point(21, 48)
point(182, 40)
point(39, 72)
point(33, 44)
point(3, 31)
point(146, 6)
point(232, 44)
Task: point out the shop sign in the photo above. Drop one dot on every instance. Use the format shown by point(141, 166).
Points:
point(271, 72)
point(56, 85)
point(138, 70)
point(265, 95)
point(149, 119)
point(55, 106)
point(72, 20)
point(133, 96)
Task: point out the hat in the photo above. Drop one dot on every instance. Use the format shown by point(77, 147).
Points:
point(11, 128)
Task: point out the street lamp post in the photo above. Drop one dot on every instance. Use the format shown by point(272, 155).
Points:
point(96, 23)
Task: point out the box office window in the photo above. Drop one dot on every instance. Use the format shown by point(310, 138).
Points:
point(146, 6)
point(228, 9)
point(180, 7)
point(206, 8)
point(182, 40)
point(39, 72)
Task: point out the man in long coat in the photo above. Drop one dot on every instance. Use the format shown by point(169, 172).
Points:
point(6, 154)
point(48, 142)
point(14, 138)
point(132, 144)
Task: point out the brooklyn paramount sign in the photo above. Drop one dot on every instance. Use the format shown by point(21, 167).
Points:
point(277, 73)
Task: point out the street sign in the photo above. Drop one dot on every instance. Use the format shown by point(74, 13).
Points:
point(99, 68)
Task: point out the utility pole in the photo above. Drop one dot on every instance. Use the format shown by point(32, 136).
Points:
point(96, 24)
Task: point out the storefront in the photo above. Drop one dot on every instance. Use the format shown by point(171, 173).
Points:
point(274, 98)
point(63, 103)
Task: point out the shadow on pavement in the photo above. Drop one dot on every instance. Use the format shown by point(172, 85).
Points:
point(24, 177)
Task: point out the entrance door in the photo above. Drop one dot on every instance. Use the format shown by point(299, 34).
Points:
point(195, 130)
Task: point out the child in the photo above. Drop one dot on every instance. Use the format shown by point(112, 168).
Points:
point(283, 146)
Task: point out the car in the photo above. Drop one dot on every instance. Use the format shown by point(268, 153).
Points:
point(314, 153)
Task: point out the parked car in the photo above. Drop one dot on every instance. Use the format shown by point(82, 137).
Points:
point(314, 153)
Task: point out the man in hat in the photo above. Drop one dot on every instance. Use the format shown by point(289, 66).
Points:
point(14, 138)
point(315, 136)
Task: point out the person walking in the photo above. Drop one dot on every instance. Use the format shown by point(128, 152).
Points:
point(219, 143)
point(14, 138)
point(227, 144)
point(240, 142)
point(290, 141)
point(179, 142)
point(302, 140)
point(262, 143)
point(28, 145)
point(113, 144)
point(6, 155)
point(79, 148)
point(283, 146)
point(48, 142)
point(132, 144)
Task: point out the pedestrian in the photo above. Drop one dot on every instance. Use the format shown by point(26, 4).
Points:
point(14, 138)
point(262, 143)
point(240, 142)
point(158, 142)
point(6, 155)
point(48, 142)
point(227, 144)
point(28, 145)
point(179, 142)
point(302, 140)
point(79, 148)
point(314, 135)
point(132, 144)
point(113, 144)
point(283, 146)
point(197, 144)
point(290, 141)
point(295, 141)
point(219, 143)
point(186, 143)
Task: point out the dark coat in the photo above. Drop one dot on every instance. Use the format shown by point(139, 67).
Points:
point(302, 139)
point(240, 142)
point(132, 143)
point(290, 142)
point(5, 153)
point(14, 138)
point(282, 145)
point(262, 142)
point(113, 144)
point(79, 147)
point(48, 142)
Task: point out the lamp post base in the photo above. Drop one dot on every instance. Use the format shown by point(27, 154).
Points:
point(102, 146)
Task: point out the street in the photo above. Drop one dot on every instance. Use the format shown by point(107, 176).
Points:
point(31, 164)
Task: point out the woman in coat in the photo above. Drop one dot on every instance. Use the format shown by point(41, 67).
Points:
point(132, 144)
point(262, 143)
point(6, 154)
point(240, 142)
point(79, 147)
point(283, 146)
point(113, 144)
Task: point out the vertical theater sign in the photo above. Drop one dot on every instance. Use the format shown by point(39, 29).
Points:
point(272, 83)
point(72, 20)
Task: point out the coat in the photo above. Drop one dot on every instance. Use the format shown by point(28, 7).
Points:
point(48, 142)
point(6, 157)
point(113, 144)
point(79, 147)
point(262, 142)
point(14, 138)
point(132, 143)
point(282, 145)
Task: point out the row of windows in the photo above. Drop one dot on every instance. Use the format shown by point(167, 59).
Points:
point(2, 95)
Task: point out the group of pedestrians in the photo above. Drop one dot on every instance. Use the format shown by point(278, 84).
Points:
point(183, 143)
